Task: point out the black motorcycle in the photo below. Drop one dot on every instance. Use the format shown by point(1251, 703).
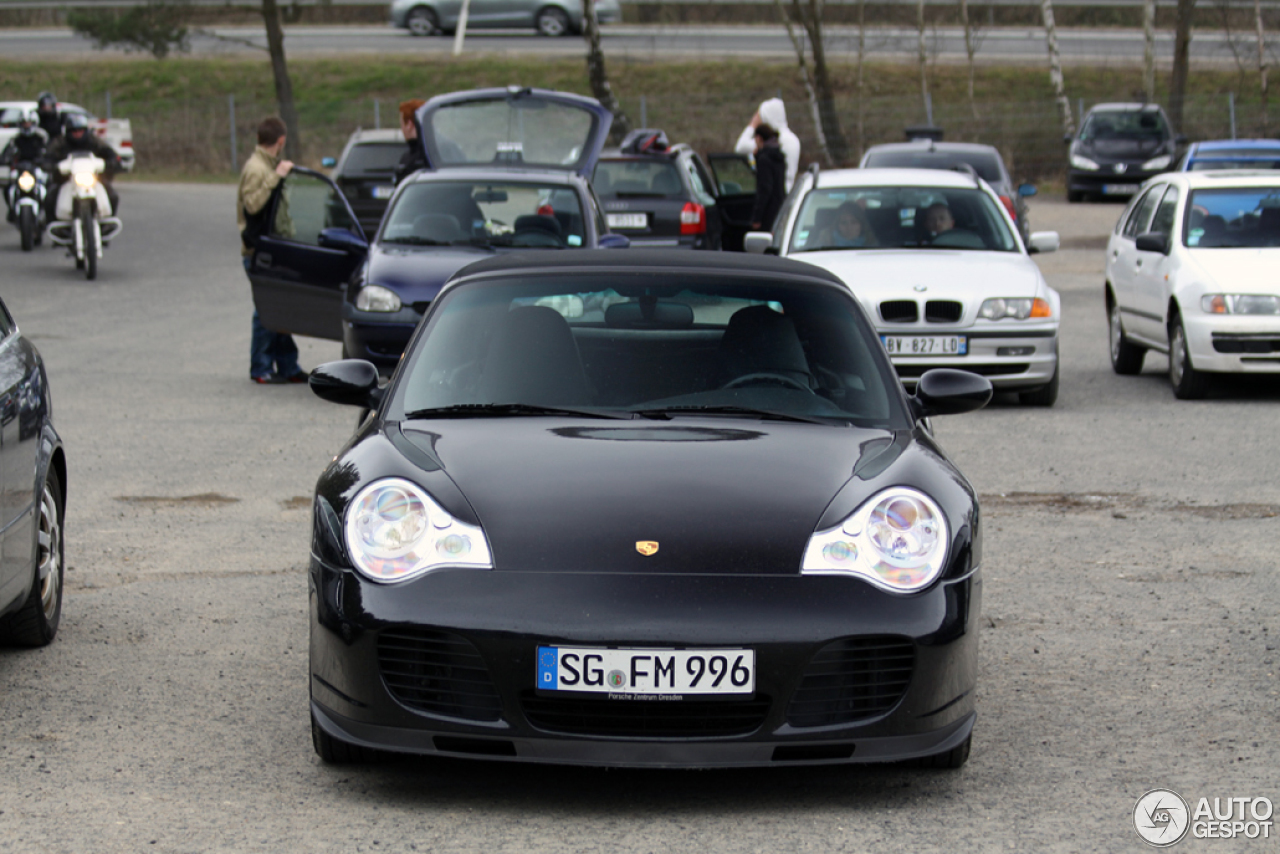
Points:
point(28, 185)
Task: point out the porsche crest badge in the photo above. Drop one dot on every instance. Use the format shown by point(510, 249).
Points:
point(647, 547)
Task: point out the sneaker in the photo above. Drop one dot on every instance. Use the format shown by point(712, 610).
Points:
point(300, 377)
point(271, 379)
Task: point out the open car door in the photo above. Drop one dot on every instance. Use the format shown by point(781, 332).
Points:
point(312, 245)
point(735, 196)
point(517, 128)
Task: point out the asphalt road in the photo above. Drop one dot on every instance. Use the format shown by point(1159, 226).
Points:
point(1130, 619)
point(651, 42)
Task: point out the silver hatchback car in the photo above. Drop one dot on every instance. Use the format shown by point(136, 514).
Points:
point(547, 17)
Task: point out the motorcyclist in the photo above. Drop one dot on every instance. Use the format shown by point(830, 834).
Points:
point(47, 112)
point(27, 146)
point(76, 139)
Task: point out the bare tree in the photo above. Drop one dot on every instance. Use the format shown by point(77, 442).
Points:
point(1181, 62)
point(280, 71)
point(1148, 50)
point(817, 81)
point(1055, 68)
point(598, 76)
point(922, 57)
point(862, 50)
point(972, 40)
point(1262, 60)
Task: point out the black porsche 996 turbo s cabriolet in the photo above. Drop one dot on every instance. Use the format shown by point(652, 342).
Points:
point(645, 508)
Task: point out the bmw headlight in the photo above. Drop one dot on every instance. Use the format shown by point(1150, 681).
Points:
point(999, 308)
point(897, 540)
point(1240, 304)
point(1081, 162)
point(26, 181)
point(84, 178)
point(395, 532)
point(1160, 162)
point(377, 298)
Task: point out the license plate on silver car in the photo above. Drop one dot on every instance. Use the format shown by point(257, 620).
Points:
point(925, 345)
point(627, 220)
point(659, 674)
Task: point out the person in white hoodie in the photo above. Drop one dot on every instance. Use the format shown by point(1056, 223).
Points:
point(774, 113)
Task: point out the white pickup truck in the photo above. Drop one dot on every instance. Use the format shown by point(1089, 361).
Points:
point(117, 133)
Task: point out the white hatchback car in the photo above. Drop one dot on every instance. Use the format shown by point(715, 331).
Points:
point(1191, 271)
point(939, 266)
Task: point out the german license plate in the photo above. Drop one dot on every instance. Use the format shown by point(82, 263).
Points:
point(383, 192)
point(661, 674)
point(925, 345)
point(627, 220)
point(1119, 189)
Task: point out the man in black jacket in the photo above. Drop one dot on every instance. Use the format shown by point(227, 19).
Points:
point(771, 178)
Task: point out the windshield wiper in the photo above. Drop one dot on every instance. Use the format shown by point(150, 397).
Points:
point(503, 410)
point(665, 412)
point(414, 240)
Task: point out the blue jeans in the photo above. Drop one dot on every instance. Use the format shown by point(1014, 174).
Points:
point(268, 350)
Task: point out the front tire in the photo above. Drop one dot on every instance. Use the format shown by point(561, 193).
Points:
point(36, 623)
point(1046, 395)
point(1187, 382)
point(27, 225)
point(552, 22)
point(422, 22)
point(1126, 357)
point(90, 245)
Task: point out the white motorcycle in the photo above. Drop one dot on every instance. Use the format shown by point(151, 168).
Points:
point(85, 221)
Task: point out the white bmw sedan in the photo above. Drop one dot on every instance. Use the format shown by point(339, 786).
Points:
point(939, 267)
point(1191, 272)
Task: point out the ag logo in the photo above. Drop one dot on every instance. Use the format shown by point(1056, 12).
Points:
point(647, 548)
point(1161, 817)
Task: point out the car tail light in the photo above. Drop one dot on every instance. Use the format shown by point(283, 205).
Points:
point(1008, 205)
point(693, 219)
point(128, 143)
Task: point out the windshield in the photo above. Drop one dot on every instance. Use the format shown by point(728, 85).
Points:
point(1236, 158)
point(1124, 124)
point(637, 179)
point(652, 344)
point(986, 165)
point(1240, 216)
point(380, 157)
point(10, 116)
point(901, 217)
point(498, 213)
point(530, 132)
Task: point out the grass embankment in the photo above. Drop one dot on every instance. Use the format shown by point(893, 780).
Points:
point(180, 107)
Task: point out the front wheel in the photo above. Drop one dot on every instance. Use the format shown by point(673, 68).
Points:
point(422, 22)
point(552, 22)
point(37, 622)
point(1126, 357)
point(27, 225)
point(1187, 382)
point(89, 227)
point(1046, 395)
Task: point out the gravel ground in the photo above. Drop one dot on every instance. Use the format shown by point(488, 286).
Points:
point(1130, 620)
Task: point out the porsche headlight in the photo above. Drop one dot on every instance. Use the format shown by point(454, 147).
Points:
point(897, 540)
point(377, 298)
point(1240, 304)
point(1084, 163)
point(26, 181)
point(84, 178)
point(1160, 162)
point(395, 532)
point(999, 308)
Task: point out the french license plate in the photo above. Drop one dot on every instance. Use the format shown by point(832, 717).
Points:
point(1119, 189)
point(926, 345)
point(660, 674)
point(383, 192)
point(627, 220)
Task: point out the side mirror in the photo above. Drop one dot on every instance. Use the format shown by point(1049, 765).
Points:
point(946, 391)
point(757, 242)
point(328, 162)
point(613, 241)
point(353, 382)
point(1027, 190)
point(1043, 241)
point(1154, 241)
point(340, 238)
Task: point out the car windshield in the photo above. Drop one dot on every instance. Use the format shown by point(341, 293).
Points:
point(1236, 158)
point(497, 213)
point(379, 157)
point(901, 217)
point(1235, 217)
point(637, 179)
point(1124, 124)
point(650, 344)
point(986, 165)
